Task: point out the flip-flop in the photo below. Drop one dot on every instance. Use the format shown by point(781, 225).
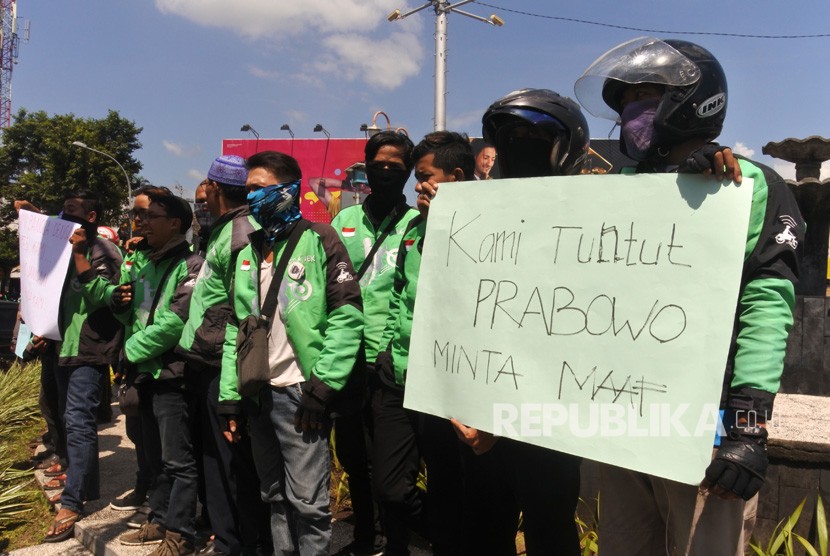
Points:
point(54, 470)
point(55, 498)
point(57, 482)
point(59, 522)
point(45, 463)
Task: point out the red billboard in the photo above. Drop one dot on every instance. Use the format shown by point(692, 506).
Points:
point(323, 162)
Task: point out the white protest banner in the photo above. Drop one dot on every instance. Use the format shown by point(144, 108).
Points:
point(588, 314)
point(45, 253)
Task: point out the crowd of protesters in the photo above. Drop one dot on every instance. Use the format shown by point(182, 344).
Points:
point(238, 353)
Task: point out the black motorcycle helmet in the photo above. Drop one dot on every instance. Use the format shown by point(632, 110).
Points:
point(536, 132)
point(694, 100)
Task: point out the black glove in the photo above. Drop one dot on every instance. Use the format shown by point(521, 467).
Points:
point(740, 464)
point(312, 411)
point(701, 160)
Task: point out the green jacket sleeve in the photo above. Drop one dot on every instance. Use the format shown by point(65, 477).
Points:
point(243, 297)
point(170, 315)
point(344, 328)
point(771, 269)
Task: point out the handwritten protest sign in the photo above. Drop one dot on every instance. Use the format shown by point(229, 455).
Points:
point(589, 314)
point(44, 259)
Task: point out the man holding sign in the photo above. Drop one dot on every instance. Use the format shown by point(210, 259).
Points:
point(670, 97)
point(91, 339)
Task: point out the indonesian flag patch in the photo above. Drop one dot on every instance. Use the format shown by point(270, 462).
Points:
point(246, 265)
point(348, 232)
point(408, 243)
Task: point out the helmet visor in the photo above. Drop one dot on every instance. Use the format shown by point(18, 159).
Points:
point(642, 60)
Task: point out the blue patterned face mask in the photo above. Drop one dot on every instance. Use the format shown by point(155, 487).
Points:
point(276, 206)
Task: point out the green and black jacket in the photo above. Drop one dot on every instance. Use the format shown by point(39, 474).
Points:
point(764, 315)
point(319, 303)
point(204, 332)
point(150, 346)
point(398, 330)
point(359, 235)
point(91, 335)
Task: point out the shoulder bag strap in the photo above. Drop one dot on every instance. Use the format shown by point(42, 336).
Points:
point(269, 306)
point(400, 210)
point(156, 298)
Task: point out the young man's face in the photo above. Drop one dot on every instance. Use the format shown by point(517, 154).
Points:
point(640, 91)
point(159, 228)
point(425, 171)
point(139, 213)
point(75, 207)
point(260, 177)
point(485, 161)
point(391, 156)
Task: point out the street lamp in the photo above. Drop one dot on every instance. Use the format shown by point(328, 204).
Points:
point(373, 129)
point(319, 127)
point(285, 127)
point(443, 8)
point(247, 127)
point(83, 145)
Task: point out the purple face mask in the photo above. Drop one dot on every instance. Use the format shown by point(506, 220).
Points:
point(637, 129)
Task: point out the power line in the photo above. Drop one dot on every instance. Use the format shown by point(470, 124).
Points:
point(653, 31)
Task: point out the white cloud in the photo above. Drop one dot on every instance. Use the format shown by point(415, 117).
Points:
point(743, 150)
point(787, 170)
point(350, 55)
point(469, 121)
point(177, 149)
point(257, 71)
point(196, 174)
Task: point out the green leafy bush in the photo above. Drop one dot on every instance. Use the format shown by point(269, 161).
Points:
point(781, 542)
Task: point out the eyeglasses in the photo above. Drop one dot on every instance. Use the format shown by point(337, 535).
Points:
point(145, 214)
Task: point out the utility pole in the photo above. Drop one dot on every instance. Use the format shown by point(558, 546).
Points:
point(442, 8)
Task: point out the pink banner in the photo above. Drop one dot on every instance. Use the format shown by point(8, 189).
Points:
point(318, 158)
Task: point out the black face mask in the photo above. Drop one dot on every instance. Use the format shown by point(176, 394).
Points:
point(90, 228)
point(386, 183)
point(525, 157)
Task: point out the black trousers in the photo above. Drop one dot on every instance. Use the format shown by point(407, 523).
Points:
point(240, 520)
point(543, 485)
point(402, 438)
point(146, 473)
point(353, 440)
point(166, 408)
point(55, 438)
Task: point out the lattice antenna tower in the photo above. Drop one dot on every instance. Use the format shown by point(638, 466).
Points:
point(9, 48)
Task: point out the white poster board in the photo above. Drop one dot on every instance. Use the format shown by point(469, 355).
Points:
point(45, 253)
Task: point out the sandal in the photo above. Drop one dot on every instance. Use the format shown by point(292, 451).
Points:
point(45, 463)
point(54, 470)
point(55, 498)
point(63, 526)
point(55, 483)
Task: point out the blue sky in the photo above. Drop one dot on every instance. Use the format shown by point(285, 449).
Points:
point(192, 72)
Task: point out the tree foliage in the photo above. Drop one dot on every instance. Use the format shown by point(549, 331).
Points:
point(38, 163)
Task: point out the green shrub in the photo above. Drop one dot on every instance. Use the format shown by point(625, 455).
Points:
point(781, 541)
point(19, 387)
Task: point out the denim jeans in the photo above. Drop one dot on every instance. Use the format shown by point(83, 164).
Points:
point(294, 474)
point(79, 393)
point(166, 413)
